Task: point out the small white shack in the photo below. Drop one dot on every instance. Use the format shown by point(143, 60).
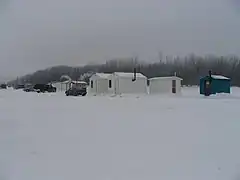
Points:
point(158, 85)
point(62, 86)
point(127, 83)
point(99, 83)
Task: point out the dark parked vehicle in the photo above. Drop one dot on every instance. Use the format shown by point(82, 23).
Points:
point(44, 88)
point(77, 89)
point(29, 88)
point(3, 86)
point(76, 92)
point(20, 86)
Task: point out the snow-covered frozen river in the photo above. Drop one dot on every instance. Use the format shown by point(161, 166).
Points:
point(54, 137)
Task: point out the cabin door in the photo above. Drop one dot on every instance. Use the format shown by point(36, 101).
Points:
point(207, 90)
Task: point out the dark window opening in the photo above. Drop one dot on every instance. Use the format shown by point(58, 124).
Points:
point(91, 84)
point(110, 83)
point(174, 86)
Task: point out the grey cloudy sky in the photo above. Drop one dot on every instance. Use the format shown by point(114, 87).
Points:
point(36, 34)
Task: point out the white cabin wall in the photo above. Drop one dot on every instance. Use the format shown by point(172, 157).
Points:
point(102, 86)
point(178, 86)
point(61, 86)
point(127, 86)
point(65, 86)
point(93, 90)
point(163, 86)
point(112, 89)
point(160, 86)
point(116, 85)
point(57, 85)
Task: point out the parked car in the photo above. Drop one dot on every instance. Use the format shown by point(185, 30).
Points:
point(29, 88)
point(19, 86)
point(44, 88)
point(3, 86)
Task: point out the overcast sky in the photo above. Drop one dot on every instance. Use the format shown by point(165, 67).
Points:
point(36, 34)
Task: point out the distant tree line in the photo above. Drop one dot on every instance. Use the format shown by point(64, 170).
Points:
point(190, 68)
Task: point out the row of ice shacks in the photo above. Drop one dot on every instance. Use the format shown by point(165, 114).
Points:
point(130, 83)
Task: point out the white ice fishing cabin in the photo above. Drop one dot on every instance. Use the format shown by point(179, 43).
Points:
point(158, 85)
point(99, 83)
point(127, 83)
point(62, 86)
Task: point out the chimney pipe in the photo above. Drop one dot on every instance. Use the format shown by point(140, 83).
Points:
point(210, 73)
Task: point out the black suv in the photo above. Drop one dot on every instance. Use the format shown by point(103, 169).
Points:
point(44, 88)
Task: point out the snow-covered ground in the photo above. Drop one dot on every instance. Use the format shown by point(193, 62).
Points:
point(54, 137)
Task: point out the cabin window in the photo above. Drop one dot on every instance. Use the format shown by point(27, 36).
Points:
point(91, 84)
point(174, 86)
point(110, 83)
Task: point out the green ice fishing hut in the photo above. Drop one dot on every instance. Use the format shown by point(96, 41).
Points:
point(213, 84)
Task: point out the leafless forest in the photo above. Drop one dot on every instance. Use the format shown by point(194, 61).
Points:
point(190, 68)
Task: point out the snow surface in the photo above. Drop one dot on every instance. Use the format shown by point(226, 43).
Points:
point(54, 137)
point(130, 75)
point(166, 78)
point(219, 77)
point(103, 75)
